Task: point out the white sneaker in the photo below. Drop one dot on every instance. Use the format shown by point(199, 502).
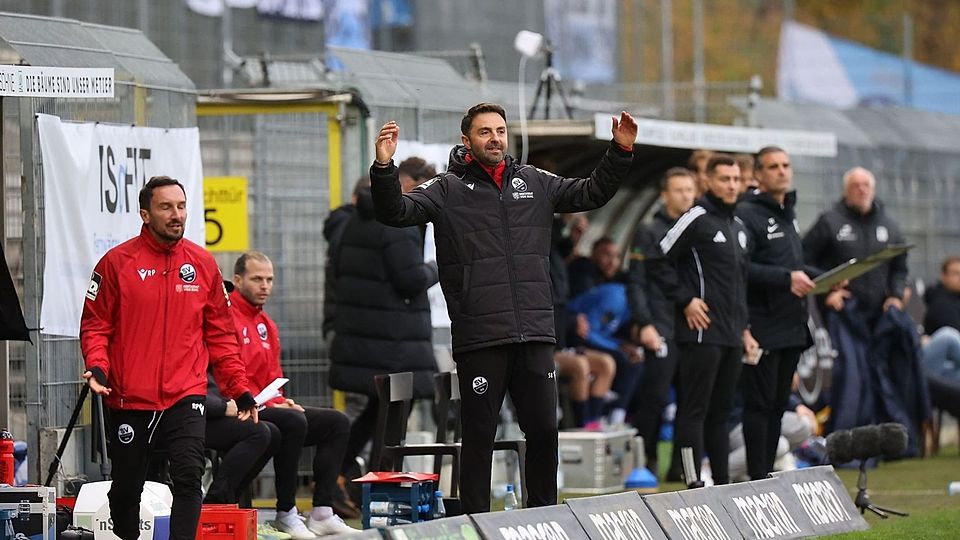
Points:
point(293, 525)
point(332, 525)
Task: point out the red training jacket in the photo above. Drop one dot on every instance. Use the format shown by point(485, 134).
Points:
point(259, 345)
point(150, 316)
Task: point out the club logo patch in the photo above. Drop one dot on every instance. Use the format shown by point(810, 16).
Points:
point(262, 330)
point(882, 234)
point(479, 385)
point(742, 238)
point(125, 433)
point(188, 273)
point(94, 287)
point(518, 184)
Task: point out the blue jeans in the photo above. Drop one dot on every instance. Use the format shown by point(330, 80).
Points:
point(941, 355)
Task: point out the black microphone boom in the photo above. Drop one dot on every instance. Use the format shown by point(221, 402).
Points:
point(893, 440)
point(838, 447)
point(865, 442)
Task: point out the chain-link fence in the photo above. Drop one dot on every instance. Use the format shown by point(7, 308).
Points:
point(149, 91)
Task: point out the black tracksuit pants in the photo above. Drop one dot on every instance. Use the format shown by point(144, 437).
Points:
point(708, 376)
point(651, 398)
point(527, 372)
point(132, 435)
point(244, 449)
point(326, 429)
point(766, 389)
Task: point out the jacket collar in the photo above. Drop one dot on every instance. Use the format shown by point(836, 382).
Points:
point(147, 238)
point(767, 200)
point(663, 216)
point(716, 205)
point(244, 305)
point(875, 211)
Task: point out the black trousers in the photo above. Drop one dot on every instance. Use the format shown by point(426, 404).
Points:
point(765, 388)
point(244, 449)
point(527, 372)
point(361, 432)
point(132, 435)
point(327, 430)
point(651, 398)
point(708, 377)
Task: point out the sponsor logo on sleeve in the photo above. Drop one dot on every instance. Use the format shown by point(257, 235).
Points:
point(93, 289)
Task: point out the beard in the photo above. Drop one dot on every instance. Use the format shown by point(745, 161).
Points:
point(490, 155)
point(167, 232)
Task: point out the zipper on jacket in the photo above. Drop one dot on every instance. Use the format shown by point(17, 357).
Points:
point(703, 288)
point(510, 269)
point(166, 302)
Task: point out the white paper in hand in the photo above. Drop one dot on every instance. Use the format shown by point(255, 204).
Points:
point(271, 391)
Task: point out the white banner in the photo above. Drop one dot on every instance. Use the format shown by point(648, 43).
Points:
point(56, 82)
point(92, 175)
point(723, 138)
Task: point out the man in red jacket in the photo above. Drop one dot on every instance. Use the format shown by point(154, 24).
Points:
point(299, 426)
point(155, 310)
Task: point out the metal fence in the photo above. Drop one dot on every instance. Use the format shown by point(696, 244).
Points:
point(289, 161)
point(45, 376)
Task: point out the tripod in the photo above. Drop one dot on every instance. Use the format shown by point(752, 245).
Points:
point(549, 78)
point(863, 500)
point(99, 432)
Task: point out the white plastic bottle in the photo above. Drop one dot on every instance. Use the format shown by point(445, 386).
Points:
point(510, 499)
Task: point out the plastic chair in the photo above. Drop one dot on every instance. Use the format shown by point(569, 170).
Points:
point(395, 393)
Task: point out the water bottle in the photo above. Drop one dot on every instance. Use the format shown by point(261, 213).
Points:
point(387, 521)
point(7, 469)
point(390, 508)
point(439, 510)
point(510, 499)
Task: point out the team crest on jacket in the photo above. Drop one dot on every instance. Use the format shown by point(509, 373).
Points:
point(742, 238)
point(520, 189)
point(262, 330)
point(882, 234)
point(188, 273)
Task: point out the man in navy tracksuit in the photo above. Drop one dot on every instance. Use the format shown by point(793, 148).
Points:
point(778, 284)
point(493, 219)
point(652, 311)
point(708, 249)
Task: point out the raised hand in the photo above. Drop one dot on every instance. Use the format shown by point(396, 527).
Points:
point(624, 130)
point(386, 143)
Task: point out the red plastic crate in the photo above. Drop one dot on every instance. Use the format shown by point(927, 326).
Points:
point(227, 522)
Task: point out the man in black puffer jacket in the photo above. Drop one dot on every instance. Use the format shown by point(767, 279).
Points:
point(493, 221)
point(382, 323)
point(778, 283)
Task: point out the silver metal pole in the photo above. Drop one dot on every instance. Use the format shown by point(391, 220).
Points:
point(666, 56)
point(226, 37)
point(638, 37)
point(699, 79)
point(31, 286)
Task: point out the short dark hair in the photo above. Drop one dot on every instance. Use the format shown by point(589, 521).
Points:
point(675, 171)
point(719, 159)
point(146, 192)
point(480, 108)
point(240, 267)
point(951, 260)
point(758, 162)
point(600, 242)
point(417, 168)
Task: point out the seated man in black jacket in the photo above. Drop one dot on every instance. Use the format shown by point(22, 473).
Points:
point(244, 447)
point(941, 344)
